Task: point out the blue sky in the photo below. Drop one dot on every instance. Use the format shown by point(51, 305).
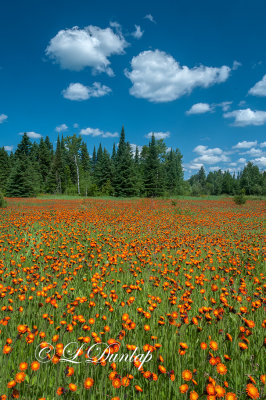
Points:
point(193, 72)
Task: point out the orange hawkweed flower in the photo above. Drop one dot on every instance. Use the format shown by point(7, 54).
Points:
point(204, 346)
point(213, 345)
point(220, 391)
point(11, 384)
point(20, 376)
point(162, 369)
point(35, 365)
point(23, 366)
point(116, 383)
point(72, 387)
point(230, 396)
point(193, 395)
point(187, 375)
point(221, 369)
point(183, 388)
point(146, 327)
point(138, 388)
point(88, 383)
point(252, 391)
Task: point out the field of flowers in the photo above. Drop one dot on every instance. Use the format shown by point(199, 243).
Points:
point(136, 299)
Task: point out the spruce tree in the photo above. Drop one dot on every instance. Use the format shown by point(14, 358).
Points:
point(152, 171)
point(4, 169)
point(20, 182)
point(124, 182)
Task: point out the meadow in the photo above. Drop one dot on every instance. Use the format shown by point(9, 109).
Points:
point(177, 285)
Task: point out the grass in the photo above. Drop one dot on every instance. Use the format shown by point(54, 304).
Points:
point(164, 278)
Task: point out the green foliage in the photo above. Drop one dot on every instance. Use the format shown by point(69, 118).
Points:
point(156, 171)
point(240, 198)
point(3, 202)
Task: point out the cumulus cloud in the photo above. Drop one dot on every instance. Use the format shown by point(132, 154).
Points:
point(259, 89)
point(97, 132)
point(253, 152)
point(261, 161)
point(8, 148)
point(79, 92)
point(158, 77)
point(32, 135)
point(263, 144)
point(199, 108)
point(247, 117)
point(158, 135)
point(210, 155)
point(3, 118)
point(150, 18)
point(242, 160)
point(76, 49)
point(61, 128)
point(245, 145)
point(138, 33)
point(194, 165)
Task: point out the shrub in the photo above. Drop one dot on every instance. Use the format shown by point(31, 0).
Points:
point(3, 203)
point(240, 198)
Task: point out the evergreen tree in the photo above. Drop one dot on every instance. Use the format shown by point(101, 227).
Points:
point(44, 161)
point(20, 182)
point(56, 175)
point(124, 182)
point(4, 169)
point(152, 173)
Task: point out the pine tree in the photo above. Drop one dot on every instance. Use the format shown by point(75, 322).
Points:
point(124, 182)
point(20, 182)
point(4, 169)
point(152, 172)
point(56, 174)
point(44, 161)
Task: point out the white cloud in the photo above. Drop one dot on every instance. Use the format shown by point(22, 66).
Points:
point(150, 18)
point(210, 156)
point(225, 105)
point(79, 92)
point(245, 145)
point(61, 128)
point(247, 117)
point(261, 161)
point(32, 135)
point(254, 152)
point(263, 144)
point(242, 160)
point(97, 132)
point(200, 149)
point(259, 89)
point(158, 135)
point(199, 108)
point(242, 103)
point(216, 168)
point(194, 165)
point(236, 65)
point(134, 147)
point(75, 125)
point(158, 77)
point(138, 33)
point(76, 49)
point(3, 117)
point(8, 148)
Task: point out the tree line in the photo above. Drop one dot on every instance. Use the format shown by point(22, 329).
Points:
point(36, 168)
